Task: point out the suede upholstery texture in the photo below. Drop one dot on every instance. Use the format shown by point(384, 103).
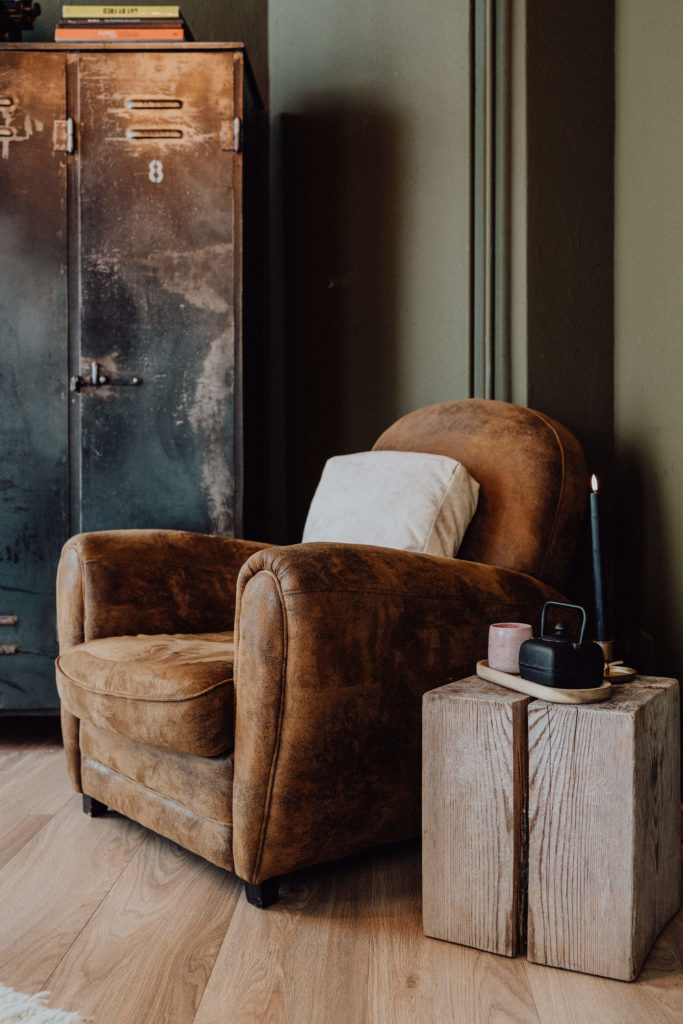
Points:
point(532, 480)
point(334, 645)
point(173, 691)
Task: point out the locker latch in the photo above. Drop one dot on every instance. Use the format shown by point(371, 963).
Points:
point(97, 379)
point(63, 136)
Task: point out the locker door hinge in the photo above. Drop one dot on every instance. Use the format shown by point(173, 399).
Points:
point(231, 135)
point(63, 136)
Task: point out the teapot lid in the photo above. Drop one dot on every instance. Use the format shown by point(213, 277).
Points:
point(560, 634)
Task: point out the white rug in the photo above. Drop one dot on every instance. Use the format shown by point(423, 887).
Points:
point(16, 1008)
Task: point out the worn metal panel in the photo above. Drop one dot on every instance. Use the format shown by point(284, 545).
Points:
point(159, 264)
point(33, 379)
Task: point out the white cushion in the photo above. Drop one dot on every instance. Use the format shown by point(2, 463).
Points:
point(409, 500)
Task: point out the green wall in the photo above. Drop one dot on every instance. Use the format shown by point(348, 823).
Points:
point(371, 158)
point(570, 224)
point(649, 326)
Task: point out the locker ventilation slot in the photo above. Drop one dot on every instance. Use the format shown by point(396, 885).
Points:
point(154, 104)
point(153, 133)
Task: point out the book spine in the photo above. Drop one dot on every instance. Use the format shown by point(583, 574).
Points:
point(126, 12)
point(90, 34)
point(120, 23)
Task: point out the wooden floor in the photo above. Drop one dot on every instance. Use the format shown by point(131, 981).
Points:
point(127, 928)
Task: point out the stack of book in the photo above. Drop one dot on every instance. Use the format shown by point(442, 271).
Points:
point(105, 23)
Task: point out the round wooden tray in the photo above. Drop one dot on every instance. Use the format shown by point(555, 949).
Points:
point(549, 693)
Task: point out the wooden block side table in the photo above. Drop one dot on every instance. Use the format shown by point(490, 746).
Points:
point(576, 815)
point(474, 791)
point(604, 829)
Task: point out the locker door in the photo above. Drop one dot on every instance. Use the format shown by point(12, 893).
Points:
point(33, 371)
point(159, 255)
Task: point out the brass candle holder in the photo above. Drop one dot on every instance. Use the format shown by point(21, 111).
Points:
point(607, 650)
point(615, 671)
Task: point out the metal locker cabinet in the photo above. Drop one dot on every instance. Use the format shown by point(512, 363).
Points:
point(120, 312)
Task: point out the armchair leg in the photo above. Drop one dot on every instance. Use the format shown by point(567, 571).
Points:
point(93, 807)
point(262, 894)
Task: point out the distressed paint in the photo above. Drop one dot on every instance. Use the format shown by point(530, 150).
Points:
point(30, 126)
point(213, 394)
point(33, 362)
point(184, 274)
point(157, 250)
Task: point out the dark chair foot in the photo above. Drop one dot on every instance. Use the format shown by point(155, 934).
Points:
point(262, 894)
point(93, 807)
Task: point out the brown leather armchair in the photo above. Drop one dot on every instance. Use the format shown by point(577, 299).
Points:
point(310, 749)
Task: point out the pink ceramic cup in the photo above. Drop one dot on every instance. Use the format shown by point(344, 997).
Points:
point(505, 640)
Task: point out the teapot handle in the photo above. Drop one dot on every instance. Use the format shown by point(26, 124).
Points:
point(561, 604)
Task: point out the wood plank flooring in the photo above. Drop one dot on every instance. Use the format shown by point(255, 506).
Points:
point(127, 928)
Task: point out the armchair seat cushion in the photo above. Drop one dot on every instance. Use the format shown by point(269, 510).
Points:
point(171, 690)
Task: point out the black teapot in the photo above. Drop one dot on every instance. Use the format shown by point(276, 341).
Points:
point(560, 661)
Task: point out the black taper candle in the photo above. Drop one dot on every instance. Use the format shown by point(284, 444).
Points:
point(597, 562)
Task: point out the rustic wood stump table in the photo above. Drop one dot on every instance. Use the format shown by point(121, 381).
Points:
point(553, 824)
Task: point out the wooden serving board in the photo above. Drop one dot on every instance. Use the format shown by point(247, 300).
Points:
point(537, 690)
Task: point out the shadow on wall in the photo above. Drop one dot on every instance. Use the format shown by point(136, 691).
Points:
point(644, 555)
point(340, 244)
point(648, 602)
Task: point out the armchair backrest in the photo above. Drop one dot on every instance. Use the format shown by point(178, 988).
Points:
point(532, 476)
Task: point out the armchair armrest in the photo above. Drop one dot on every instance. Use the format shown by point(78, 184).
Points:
point(335, 645)
point(119, 582)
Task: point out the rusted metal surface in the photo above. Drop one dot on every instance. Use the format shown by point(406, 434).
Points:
point(63, 135)
point(33, 358)
point(157, 225)
point(138, 178)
